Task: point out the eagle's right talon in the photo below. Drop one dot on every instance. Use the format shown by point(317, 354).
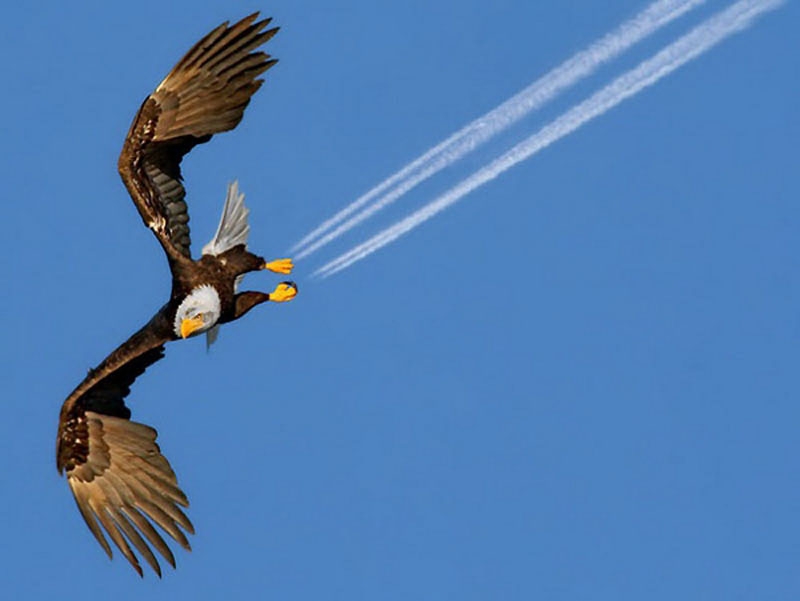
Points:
point(284, 292)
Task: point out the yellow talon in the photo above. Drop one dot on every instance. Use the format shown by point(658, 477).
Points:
point(283, 266)
point(284, 292)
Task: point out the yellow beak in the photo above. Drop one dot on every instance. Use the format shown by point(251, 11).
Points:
point(190, 326)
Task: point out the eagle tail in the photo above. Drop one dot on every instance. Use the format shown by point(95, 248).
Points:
point(233, 230)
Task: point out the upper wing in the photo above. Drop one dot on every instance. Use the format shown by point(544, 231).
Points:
point(114, 467)
point(204, 94)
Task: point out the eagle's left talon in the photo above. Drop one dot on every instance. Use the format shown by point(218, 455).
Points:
point(284, 292)
point(283, 266)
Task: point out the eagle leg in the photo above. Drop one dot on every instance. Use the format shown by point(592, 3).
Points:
point(284, 292)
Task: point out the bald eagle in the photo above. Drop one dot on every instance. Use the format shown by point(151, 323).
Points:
point(121, 482)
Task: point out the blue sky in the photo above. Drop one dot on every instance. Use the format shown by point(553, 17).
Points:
point(579, 383)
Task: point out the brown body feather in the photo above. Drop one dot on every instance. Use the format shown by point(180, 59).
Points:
point(121, 482)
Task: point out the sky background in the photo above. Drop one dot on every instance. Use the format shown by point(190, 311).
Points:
point(579, 383)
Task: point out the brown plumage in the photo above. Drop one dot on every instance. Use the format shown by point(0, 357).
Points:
point(122, 483)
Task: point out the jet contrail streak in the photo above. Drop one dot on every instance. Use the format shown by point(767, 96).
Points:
point(655, 16)
point(712, 31)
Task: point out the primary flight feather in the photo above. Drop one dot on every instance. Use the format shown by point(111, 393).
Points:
point(122, 484)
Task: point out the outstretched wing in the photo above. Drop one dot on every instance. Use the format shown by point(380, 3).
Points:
point(115, 469)
point(204, 94)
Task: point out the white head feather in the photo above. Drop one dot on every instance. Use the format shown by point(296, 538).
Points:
point(202, 301)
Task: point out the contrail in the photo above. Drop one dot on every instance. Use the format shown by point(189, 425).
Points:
point(655, 16)
point(735, 18)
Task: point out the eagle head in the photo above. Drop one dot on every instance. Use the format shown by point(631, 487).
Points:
point(198, 312)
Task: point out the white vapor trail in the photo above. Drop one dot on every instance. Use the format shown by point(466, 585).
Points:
point(735, 18)
point(582, 64)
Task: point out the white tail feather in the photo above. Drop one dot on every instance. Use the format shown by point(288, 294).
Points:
point(233, 227)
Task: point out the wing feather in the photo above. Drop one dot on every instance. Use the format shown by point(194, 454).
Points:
point(82, 501)
point(134, 537)
point(161, 515)
point(204, 94)
point(114, 532)
point(151, 533)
